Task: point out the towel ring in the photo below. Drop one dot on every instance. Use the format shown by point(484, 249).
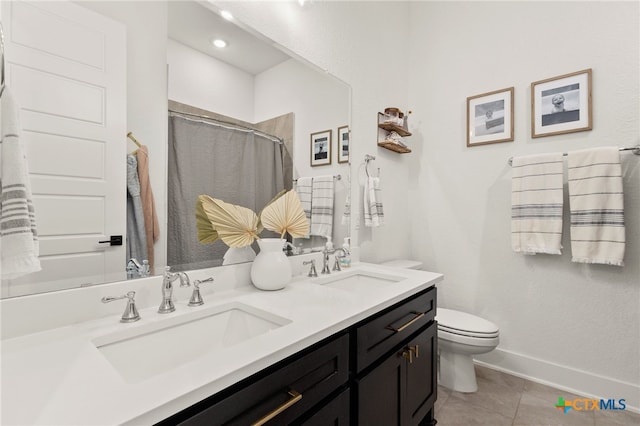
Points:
point(368, 158)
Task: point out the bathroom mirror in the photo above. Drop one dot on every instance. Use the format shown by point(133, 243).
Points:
point(288, 86)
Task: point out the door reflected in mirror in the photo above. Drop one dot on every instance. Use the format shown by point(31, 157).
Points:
point(240, 83)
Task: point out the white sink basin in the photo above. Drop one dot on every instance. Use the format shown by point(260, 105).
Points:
point(358, 280)
point(144, 351)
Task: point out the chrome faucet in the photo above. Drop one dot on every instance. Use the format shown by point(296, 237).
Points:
point(135, 269)
point(336, 265)
point(130, 312)
point(325, 260)
point(167, 289)
point(312, 271)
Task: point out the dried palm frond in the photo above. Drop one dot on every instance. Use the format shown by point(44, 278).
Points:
point(206, 233)
point(285, 215)
point(237, 226)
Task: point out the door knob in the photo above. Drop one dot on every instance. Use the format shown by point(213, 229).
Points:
point(114, 240)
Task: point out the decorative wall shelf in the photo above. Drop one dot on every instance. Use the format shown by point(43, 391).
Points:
point(386, 126)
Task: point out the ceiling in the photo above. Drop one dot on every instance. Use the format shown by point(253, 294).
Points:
point(195, 25)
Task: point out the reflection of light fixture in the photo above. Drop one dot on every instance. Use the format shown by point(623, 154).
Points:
point(219, 43)
point(301, 2)
point(226, 15)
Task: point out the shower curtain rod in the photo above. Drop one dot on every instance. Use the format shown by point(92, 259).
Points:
point(228, 125)
point(635, 149)
point(335, 177)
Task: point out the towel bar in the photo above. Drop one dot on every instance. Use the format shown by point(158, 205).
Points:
point(634, 149)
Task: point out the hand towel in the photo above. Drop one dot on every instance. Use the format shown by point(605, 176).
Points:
point(18, 234)
point(536, 204)
point(136, 232)
point(322, 206)
point(303, 188)
point(373, 210)
point(151, 224)
point(596, 205)
point(346, 215)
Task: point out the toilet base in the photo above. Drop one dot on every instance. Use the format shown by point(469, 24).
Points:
point(456, 372)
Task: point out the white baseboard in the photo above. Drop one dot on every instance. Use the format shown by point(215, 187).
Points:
point(565, 378)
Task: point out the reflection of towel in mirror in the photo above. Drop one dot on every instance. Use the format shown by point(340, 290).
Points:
point(151, 224)
point(596, 204)
point(136, 234)
point(373, 212)
point(536, 204)
point(18, 234)
point(303, 188)
point(322, 206)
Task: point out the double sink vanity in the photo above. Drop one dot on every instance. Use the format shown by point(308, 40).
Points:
point(353, 347)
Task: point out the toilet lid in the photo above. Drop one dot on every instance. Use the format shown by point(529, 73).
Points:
point(463, 323)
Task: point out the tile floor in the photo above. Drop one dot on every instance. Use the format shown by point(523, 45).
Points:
point(503, 399)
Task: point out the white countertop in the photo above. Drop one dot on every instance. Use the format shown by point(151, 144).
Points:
point(59, 377)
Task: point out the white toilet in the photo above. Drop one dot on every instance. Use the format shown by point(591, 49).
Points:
point(460, 336)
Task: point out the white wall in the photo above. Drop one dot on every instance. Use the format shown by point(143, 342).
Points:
point(572, 324)
point(199, 80)
point(146, 23)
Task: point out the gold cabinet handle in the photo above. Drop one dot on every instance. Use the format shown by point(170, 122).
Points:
point(418, 315)
point(408, 354)
point(295, 397)
point(416, 350)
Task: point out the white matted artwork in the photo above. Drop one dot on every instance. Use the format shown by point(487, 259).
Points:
point(321, 148)
point(561, 104)
point(343, 144)
point(490, 117)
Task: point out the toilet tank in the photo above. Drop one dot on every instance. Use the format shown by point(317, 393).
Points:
point(404, 263)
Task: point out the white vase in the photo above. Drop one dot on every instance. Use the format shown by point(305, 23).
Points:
point(271, 269)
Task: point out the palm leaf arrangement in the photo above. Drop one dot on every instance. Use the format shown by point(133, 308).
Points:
point(239, 226)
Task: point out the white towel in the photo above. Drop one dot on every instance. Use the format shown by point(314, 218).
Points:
point(303, 188)
point(346, 215)
point(596, 204)
point(536, 204)
point(373, 211)
point(322, 206)
point(18, 234)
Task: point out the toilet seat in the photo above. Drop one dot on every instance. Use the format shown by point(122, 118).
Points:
point(455, 325)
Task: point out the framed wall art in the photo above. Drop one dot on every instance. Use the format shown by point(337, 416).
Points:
point(490, 117)
point(321, 148)
point(343, 144)
point(561, 104)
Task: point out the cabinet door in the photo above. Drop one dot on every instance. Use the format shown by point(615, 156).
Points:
point(335, 413)
point(380, 393)
point(421, 380)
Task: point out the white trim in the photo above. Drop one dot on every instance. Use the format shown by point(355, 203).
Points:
point(562, 377)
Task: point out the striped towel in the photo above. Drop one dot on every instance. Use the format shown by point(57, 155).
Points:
point(373, 211)
point(303, 188)
point(596, 204)
point(322, 206)
point(536, 204)
point(18, 236)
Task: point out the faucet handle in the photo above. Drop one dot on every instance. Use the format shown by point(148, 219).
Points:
point(196, 298)
point(130, 313)
point(336, 264)
point(312, 270)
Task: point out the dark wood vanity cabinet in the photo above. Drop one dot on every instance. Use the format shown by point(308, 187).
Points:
point(380, 371)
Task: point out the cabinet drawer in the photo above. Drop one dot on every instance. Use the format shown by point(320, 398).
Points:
point(383, 333)
point(285, 394)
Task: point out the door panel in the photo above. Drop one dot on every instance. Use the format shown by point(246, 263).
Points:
point(66, 67)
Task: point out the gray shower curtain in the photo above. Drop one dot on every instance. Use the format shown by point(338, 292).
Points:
point(234, 164)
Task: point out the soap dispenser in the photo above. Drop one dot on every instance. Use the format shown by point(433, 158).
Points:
point(345, 261)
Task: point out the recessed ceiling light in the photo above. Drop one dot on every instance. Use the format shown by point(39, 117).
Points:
point(226, 15)
point(219, 43)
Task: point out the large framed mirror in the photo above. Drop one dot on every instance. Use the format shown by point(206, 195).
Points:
point(249, 83)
